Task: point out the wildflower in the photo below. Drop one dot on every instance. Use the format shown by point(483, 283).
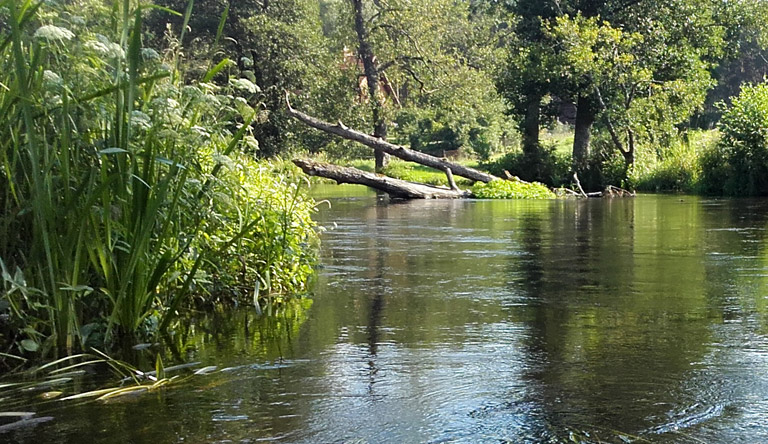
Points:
point(51, 78)
point(245, 84)
point(251, 142)
point(201, 131)
point(53, 33)
point(105, 47)
point(149, 54)
point(140, 120)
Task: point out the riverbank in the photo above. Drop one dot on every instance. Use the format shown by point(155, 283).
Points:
point(675, 169)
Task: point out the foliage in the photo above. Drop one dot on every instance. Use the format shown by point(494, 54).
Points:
point(508, 189)
point(641, 68)
point(548, 164)
point(738, 165)
point(477, 127)
point(679, 167)
point(279, 249)
point(437, 58)
point(645, 93)
point(121, 187)
point(269, 43)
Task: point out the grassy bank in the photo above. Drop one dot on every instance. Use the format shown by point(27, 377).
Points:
point(677, 168)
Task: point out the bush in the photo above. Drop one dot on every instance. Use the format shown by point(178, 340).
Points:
point(738, 165)
point(548, 167)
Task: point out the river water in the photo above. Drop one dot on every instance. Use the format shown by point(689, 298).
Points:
point(624, 320)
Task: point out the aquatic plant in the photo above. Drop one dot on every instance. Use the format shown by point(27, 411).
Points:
point(508, 189)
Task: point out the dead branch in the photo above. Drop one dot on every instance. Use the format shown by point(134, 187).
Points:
point(389, 148)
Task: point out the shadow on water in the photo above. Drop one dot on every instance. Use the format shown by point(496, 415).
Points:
point(376, 310)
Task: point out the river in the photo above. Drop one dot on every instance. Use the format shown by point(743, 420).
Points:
point(616, 320)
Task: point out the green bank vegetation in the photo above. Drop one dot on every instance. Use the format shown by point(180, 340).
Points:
point(127, 190)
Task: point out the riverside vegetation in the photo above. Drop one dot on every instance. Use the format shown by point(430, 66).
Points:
point(128, 192)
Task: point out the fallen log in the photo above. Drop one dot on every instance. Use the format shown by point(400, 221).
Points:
point(396, 150)
point(394, 187)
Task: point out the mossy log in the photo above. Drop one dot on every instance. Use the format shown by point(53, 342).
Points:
point(394, 187)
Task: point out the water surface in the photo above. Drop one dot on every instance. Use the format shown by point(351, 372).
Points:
point(481, 321)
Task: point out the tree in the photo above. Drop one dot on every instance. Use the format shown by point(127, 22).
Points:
point(637, 68)
point(277, 45)
point(528, 76)
point(371, 69)
point(432, 63)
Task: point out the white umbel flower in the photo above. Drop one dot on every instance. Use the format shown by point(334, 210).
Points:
point(105, 48)
point(245, 84)
point(140, 120)
point(51, 78)
point(54, 33)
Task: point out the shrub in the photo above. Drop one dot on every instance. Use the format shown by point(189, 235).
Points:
point(738, 165)
point(548, 167)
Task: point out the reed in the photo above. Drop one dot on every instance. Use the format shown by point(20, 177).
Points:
point(112, 175)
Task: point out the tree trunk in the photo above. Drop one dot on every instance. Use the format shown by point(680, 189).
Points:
point(394, 187)
point(585, 118)
point(629, 154)
point(531, 125)
point(372, 77)
point(389, 148)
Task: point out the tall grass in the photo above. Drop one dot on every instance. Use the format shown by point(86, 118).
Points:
point(107, 204)
point(678, 167)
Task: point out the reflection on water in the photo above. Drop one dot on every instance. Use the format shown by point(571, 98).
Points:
point(483, 321)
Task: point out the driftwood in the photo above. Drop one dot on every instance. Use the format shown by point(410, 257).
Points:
point(612, 191)
point(394, 187)
point(396, 150)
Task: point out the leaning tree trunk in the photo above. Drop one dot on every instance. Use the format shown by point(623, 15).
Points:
point(396, 150)
point(372, 78)
point(585, 118)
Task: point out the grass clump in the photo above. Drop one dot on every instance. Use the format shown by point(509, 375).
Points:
point(678, 168)
point(506, 189)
